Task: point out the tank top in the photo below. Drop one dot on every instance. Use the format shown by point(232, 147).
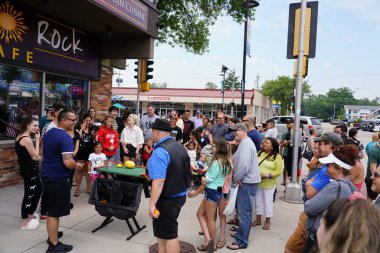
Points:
point(22, 153)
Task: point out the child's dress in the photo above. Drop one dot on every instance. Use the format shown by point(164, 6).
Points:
point(193, 156)
point(97, 160)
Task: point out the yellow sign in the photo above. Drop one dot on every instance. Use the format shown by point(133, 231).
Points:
point(297, 32)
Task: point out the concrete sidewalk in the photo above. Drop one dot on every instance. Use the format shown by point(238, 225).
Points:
point(78, 226)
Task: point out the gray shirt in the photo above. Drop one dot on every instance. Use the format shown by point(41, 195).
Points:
point(315, 206)
point(246, 164)
point(218, 131)
point(146, 123)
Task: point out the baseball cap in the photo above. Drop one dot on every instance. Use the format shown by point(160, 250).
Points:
point(334, 138)
point(333, 159)
point(289, 120)
point(239, 126)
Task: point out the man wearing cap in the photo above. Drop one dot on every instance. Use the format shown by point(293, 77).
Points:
point(311, 185)
point(197, 119)
point(169, 170)
point(246, 174)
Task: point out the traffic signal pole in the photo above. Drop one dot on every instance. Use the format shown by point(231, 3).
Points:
point(293, 190)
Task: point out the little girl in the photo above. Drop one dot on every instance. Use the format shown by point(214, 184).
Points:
point(98, 160)
point(191, 148)
point(147, 150)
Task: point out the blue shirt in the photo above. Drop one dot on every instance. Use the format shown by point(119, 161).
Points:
point(255, 137)
point(321, 179)
point(56, 142)
point(159, 162)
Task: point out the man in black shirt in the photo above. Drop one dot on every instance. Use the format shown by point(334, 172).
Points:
point(176, 132)
point(188, 125)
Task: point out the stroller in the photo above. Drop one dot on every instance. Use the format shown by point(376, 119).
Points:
point(117, 199)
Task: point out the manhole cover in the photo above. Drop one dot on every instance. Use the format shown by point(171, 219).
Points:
point(185, 248)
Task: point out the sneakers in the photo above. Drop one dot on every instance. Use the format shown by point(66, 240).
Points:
point(60, 234)
point(59, 248)
point(32, 224)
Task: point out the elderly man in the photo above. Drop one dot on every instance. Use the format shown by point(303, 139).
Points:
point(169, 170)
point(246, 174)
point(252, 131)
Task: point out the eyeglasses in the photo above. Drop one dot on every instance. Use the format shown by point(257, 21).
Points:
point(72, 120)
point(375, 174)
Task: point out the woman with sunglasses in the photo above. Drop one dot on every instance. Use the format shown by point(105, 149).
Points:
point(339, 165)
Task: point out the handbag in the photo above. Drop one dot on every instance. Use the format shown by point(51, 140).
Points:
point(229, 210)
point(307, 153)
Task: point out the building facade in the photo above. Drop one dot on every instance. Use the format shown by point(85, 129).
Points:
point(208, 101)
point(64, 51)
point(364, 112)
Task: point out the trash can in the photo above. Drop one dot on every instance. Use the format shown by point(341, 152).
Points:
point(117, 199)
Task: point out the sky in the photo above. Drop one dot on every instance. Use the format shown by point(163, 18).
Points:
point(347, 53)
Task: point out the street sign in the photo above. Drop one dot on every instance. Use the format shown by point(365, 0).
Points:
point(248, 49)
point(310, 30)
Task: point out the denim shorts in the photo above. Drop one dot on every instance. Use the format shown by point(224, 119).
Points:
point(213, 195)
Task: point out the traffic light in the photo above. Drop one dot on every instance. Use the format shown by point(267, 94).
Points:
point(292, 100)
point(137, 71)
point(144, 74)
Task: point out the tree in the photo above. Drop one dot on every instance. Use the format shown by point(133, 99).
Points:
point(341, 97)
point(281, 90)
point(158, 85)
point(186, 23)
point(318, 106)
point(230, 79)
point(211, 85)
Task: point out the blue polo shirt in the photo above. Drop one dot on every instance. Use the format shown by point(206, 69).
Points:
point(255, 137)
point(159, 162)
point(321, 179)
point(56, 143)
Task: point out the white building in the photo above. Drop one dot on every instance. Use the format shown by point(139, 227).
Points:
point(364, 112)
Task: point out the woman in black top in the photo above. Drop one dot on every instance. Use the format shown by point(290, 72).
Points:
point(86, 145)
point(28, 159)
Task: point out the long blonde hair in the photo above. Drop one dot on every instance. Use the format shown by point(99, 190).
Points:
point(356, 230)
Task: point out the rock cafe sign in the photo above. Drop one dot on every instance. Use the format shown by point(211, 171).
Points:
point(34, 40)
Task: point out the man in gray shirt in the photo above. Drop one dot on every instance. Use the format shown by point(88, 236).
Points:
point(219, 129)
point(147, 121)
point(246, 174)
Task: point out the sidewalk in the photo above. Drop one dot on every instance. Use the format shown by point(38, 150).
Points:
point(83, 218)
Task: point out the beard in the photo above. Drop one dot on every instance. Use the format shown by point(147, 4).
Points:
point(373, 187)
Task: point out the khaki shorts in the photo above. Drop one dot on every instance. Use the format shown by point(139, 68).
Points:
point(296, 242)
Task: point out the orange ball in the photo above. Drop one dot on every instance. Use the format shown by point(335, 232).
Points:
point(156, 212)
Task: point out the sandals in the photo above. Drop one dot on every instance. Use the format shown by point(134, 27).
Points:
point(233, 234)
point(76, 194)
point(256, 223)
point(236, 246)
point(207, 248)
point(233, 221)
point(220, 244)
point(266, 226)
point(234, 228)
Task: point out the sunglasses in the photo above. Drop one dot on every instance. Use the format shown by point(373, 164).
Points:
point(375, 174)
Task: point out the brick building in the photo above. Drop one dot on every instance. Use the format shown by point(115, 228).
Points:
point(64, 51)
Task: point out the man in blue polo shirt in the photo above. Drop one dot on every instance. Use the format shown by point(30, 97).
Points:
point(57, 165)
point(169, 170)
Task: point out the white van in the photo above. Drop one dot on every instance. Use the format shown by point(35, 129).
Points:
point(308, 123)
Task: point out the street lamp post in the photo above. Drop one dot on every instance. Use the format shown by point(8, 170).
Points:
point(224, 69)
point(247, 4)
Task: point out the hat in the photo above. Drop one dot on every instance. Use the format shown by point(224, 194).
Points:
point(162, 125)
point(289, 120)
point(333, 159)
point(239, 126)
point(334, 138)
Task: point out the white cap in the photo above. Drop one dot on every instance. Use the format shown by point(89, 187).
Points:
point(333, 159)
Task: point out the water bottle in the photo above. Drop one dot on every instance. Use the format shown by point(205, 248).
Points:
point(109, 165)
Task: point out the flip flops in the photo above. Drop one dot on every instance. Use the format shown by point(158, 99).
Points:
point(236, 246)
point(76, 194)
point(220, 244)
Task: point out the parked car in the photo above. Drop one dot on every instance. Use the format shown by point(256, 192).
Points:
point(335, 122)
point(308, 123)
point(366, 125)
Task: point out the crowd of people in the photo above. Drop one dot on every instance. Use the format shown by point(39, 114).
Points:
point(190, 156)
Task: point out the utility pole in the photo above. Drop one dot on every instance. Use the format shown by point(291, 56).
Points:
point(233, 94)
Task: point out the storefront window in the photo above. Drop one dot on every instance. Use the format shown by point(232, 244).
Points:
point(19, 97)
point(67, 90)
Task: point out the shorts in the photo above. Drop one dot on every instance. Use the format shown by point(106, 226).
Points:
point(212, 195)
point(58, 192)
point(296, 242)
point(131, 151)
point(288, 167)
point(166, 226)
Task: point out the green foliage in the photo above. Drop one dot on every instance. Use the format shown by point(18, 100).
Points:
point(211, 85)
point(230, 80)
point(159, 85)
point(281, 90)
point(186, 23)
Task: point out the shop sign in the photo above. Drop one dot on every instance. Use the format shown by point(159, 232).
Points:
point(129, 10)
point(158, 98)
point(37, 41)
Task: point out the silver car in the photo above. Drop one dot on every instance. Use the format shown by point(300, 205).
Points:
point(307, 122)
